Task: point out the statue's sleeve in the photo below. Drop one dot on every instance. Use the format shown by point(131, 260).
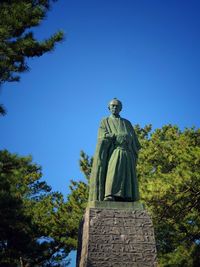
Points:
point(103, 131)
point(99, 167)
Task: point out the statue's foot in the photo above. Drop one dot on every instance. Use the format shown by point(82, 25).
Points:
point(109, 198)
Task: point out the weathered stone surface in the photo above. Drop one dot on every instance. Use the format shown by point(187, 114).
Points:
point(115, 238)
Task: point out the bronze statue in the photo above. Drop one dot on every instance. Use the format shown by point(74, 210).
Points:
point(113, 176)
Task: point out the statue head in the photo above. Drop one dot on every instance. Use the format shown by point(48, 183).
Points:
point(115, 106)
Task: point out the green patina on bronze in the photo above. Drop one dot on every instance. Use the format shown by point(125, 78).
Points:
point(113, 175)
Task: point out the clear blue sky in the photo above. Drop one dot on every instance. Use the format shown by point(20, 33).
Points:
point(146, 53)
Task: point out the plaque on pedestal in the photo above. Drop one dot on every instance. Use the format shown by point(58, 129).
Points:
point(116, 236)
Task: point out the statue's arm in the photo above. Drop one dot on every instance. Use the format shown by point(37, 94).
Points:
point(104, 132)
point(98, 173)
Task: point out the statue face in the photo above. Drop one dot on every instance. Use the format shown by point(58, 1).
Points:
point(115, 108)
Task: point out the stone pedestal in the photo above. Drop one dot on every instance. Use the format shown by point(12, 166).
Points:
point(115, 234)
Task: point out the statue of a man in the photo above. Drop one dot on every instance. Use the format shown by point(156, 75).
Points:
point(113, 175)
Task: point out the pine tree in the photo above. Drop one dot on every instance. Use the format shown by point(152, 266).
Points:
point(169, 174)
point(36, 226)
point(2, 110)
point(17, 41)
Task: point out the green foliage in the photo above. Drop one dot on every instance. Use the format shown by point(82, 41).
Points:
point(36, 226)
point(85, 164)
point(2, 110)
point(169, 179)
point(17, 41)
point(169, 174)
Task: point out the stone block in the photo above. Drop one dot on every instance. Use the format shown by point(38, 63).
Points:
point(112, 237)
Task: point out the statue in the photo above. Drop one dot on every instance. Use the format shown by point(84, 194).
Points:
point(113, 175)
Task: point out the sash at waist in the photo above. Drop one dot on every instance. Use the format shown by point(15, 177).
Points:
point(123, 147)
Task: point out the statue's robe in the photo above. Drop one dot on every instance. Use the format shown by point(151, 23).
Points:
point(114, 167)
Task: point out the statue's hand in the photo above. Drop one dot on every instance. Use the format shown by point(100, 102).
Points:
point(121, 138)
point(110, 136)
